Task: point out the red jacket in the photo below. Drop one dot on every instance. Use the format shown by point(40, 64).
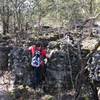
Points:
point(43, 52)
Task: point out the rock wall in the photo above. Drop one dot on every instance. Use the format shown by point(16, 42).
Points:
point(19, 61)
point(61, 68)
point(56, 71)
point(4, 57)
point(94, 67)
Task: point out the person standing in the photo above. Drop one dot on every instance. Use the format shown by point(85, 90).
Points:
point(38, 62)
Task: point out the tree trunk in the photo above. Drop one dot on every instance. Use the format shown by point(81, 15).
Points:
point(3, 21)
point(39, 26)
point(4, 28)
point(7, 20)
point(91, 14)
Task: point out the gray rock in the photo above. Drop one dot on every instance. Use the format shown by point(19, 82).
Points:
point(94, 67)
point(52, 44)
point(19, 60)
point(4, 57)
point(4, 96)
point(58, 72)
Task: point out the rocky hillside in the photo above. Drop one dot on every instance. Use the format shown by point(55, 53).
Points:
point(74, 66)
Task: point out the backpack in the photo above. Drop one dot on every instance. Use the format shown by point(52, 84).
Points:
point(36, 59)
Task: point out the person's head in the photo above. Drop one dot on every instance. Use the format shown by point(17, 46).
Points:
point(38, 44)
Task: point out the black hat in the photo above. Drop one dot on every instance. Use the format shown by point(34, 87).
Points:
point(38, 44)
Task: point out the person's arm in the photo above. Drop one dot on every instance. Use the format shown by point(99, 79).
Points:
point(50, 54)
point(30, 48)
point(44, 55)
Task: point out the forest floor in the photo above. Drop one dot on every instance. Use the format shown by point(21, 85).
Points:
point(8, 92)
point(6, 85)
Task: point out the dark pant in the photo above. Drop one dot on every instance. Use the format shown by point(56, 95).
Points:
point(43, 72)
point(36, 77)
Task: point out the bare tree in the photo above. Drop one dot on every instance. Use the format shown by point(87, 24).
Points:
point(5, 15)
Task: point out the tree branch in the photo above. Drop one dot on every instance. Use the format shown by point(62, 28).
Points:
point(91, 18)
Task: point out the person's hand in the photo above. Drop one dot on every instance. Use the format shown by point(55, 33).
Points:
point(30, 48)
point(45, 60)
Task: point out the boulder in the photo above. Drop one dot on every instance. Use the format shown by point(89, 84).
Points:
point(58, 68)
point(94, 67)
point(4, 96)
point(19, 60)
